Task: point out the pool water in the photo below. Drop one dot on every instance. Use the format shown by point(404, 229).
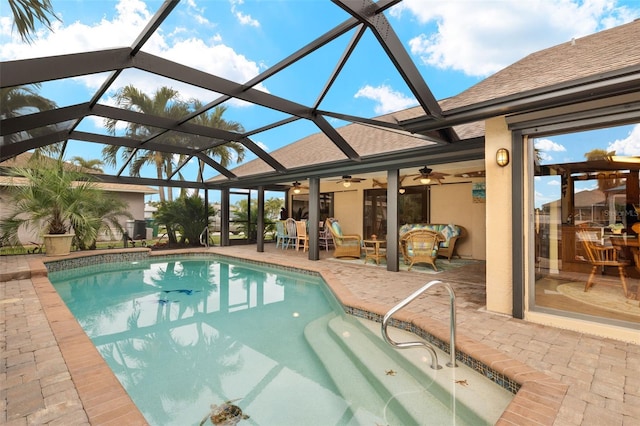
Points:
point(182, 335)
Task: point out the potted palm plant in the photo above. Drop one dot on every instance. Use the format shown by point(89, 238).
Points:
point(52, 198)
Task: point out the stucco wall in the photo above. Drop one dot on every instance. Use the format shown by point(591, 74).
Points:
point(454, 204)
point(498, 224)
point(347, 209)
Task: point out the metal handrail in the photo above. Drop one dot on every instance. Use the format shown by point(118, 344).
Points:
point(204, 241)
point(429, 347)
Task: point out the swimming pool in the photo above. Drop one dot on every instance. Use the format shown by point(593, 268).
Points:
point(182, 334)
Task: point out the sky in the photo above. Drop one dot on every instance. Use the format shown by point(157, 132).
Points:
point(454, 44)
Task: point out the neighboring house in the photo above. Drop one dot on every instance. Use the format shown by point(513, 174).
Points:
point(133, 195)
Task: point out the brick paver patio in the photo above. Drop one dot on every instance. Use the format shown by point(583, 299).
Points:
point(50, 373)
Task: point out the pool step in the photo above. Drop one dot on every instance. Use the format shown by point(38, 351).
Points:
point(372, 377)
point(397, 381)
point(347, 377)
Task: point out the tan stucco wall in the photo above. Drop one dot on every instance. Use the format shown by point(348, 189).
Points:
point(454, 204)
point(498, 223)
point(347, 209)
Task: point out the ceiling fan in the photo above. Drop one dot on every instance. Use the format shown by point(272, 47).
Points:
point(347, 180)
point(427, 174)
point(297, 186)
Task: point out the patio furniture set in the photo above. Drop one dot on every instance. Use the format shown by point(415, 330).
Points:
point(419, 243)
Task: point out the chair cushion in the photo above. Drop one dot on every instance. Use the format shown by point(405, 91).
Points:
point(448, 232)
point(336, 228)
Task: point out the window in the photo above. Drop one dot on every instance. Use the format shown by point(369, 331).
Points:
point(412, 204)
point(586, 204)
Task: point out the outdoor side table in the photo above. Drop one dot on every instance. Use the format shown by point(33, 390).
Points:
point(375, 250)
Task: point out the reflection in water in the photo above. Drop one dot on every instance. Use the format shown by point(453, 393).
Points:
point(181, 335)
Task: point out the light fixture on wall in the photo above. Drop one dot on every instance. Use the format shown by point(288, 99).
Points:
point(502, 157)
point(402, 190)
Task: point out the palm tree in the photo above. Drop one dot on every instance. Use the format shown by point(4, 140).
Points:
point(164, 103)
point(107, 209)
point(27, 12)
point(53, 199)
point(93, 164)
point(22, 100)
point(604, 183)
point(214, 119)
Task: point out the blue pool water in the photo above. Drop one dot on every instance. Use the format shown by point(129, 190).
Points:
point(184, 334)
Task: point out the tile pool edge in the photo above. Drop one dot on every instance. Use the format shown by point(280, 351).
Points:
point(538, 397)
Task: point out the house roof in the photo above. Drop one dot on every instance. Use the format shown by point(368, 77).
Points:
point(368, 141)
point(593, 55)
point(22, 160)
point(591, 68)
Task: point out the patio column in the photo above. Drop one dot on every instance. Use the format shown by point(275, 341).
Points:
point(260, 221)
point(314, 218)
point(224, 217)
point(392, 220)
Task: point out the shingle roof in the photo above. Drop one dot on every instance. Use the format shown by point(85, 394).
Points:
point(593, 55)
point(365, 140)
point(22, 160)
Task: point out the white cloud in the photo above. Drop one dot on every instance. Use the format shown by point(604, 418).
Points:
point(545, 146)
point(387, 99)
point(629, 145)
point(131, 16)
point(480, 38)
point(553, 183)
point(242, 18)
point(549, 145)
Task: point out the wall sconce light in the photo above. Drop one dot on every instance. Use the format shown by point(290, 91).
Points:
point(502, 157)
point(401, 190)
point(346, 183)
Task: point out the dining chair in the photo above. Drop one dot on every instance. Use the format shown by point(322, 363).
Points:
point(290, 229)
point(281, 234)
point(325, 238)
point(600, 256)
point(301, 235)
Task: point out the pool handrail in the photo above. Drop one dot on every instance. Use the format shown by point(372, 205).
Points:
point(204, 237)
point(429, 347)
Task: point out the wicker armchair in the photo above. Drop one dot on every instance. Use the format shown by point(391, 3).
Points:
point(420, 246)
point(344, 245)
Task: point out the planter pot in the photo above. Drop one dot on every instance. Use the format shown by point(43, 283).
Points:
point(58, 245)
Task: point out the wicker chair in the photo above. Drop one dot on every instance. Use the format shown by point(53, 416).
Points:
point(344, 245)
point(420, 246)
